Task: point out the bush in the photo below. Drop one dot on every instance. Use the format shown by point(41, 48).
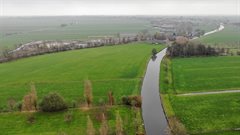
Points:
point(18, 105)
point(154, 52)
point(30, 118)
point(68, 117)
point(53, 102)
point(135, 101)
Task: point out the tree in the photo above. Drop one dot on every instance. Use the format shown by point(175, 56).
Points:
point(30, 100)
point(88, 92)
point(90, 128)
point(104, 126)
point(119, 125)
point(110, 98)
point(53, 102)
point(154, 52)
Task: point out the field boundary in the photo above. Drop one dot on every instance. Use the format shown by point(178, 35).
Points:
point(209, 93)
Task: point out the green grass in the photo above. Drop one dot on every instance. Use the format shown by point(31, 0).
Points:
point(116, 68)
point(203, 114)
point(208, 113)
point(53, 123)
point(78, 28)
point(206, 73)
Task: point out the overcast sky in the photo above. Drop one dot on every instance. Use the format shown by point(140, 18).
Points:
point(118, 7)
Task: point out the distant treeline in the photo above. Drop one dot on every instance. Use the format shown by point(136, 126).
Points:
point(193, 49)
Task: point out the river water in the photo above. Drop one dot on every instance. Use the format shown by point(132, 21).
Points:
point(153, 113)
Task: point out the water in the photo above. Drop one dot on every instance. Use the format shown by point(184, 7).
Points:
point(153, 114)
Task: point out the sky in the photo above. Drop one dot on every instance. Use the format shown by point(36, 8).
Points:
point(118, 7)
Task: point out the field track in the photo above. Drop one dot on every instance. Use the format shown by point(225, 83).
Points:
point(208, 93)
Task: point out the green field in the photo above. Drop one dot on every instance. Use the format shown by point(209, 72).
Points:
point(112, 68)
point(54, 124)
point(203, 114)
point(208, 113)
point(206, 73)
point(229, 37)
point(25, 29)
point(116, 68)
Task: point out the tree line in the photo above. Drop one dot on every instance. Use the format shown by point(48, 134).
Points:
point(193, 49)
point(53, 102)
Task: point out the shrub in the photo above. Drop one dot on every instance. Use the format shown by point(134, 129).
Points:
point(53, 102)
point(30, 118)
point(11, 104)
point(74, 104)
point(154, 52)
point(68, 117)
point(135, 101)
point(18, 105)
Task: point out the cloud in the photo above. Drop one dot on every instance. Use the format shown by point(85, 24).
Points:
point(119, 7)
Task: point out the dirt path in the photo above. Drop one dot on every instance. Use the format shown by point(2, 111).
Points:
point(208, 93)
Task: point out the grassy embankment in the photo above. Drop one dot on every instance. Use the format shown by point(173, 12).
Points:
point(113, 68)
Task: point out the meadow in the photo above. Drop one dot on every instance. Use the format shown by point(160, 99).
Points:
point(202, 114)
point(54, 124)
point(111, 68)
point(208, 113)
point(206, 74)
point(20, 30)
point(229, 37)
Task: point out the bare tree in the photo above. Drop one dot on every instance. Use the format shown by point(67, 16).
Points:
point(110, 98)
point(30, 100)
point(104, 126)
point(119, 125)
point(90, 128)
point(88, 92)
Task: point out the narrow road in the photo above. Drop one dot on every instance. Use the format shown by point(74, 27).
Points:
point(153, 113)
point(208, 93)
point(221, 27)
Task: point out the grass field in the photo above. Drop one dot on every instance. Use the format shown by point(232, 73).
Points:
point(206, 73)
point(208, 113)
point(54, 124)
point(25, 29)
point(116, 68)
point(205, 114)
point(227, 38)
